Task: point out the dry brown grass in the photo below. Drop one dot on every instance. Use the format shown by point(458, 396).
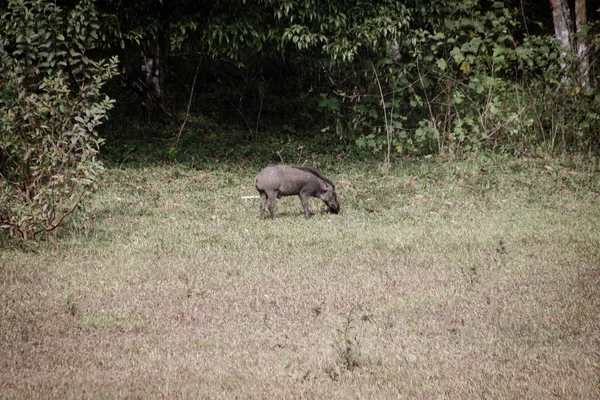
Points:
point(445, 280)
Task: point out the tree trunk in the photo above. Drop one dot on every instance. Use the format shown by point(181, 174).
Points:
point(562, 26)
point(153, 76)
point(582, 44)
point(571, 36)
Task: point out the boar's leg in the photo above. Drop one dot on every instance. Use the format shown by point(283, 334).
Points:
point(263, 202)
point(305, 202)
point(272, 200)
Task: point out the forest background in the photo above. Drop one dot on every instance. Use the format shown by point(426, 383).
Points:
point(231, 80)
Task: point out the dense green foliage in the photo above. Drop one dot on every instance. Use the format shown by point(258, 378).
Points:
point(415, 78)
point(51, 105)
point(467, 78)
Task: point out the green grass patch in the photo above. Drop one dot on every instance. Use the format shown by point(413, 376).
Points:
point(447, 278)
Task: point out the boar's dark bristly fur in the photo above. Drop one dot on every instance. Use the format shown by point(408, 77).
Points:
point(275, 181)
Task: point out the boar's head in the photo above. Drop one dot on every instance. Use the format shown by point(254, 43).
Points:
point(329, 197)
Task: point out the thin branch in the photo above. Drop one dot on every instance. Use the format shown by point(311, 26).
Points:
point(279, 154)
point(387, 128)
point(429, 106)
point(259, 110)
point(243, 116)
point(154, 100)
point(524, 19)
point(187, 112)
point(52, 227)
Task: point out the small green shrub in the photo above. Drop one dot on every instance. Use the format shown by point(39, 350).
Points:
point(50, 106)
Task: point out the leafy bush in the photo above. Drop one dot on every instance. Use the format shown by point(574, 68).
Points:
point(50, 106)
point(466, 77)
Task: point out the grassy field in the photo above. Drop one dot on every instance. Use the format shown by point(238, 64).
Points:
point(476, 278)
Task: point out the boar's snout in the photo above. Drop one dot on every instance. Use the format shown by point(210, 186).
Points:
point(330, 199)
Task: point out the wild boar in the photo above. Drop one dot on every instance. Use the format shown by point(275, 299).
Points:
point(287, 180)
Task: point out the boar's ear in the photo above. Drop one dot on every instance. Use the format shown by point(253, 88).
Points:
point(326, 186)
